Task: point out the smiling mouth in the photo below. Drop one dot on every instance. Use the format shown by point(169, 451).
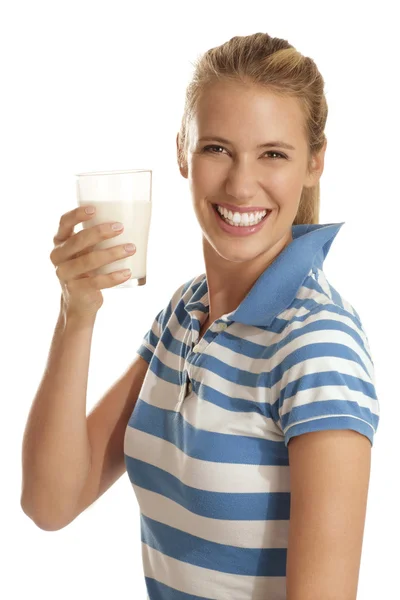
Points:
point(242, 210)
point(215, 207)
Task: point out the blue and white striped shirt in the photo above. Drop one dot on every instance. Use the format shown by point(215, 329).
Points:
point(206, 445)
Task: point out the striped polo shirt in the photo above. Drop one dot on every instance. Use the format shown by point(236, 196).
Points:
point(206, 444)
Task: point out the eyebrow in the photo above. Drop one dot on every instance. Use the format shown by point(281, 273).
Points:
point(275, 144)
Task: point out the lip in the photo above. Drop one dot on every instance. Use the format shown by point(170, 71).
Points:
point(242, 209)
point(240, 231)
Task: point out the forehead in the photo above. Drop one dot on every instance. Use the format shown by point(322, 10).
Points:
point(246, 112)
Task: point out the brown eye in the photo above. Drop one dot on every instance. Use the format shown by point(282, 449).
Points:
point(210, 150)
point(277, 153)
point(206, 148)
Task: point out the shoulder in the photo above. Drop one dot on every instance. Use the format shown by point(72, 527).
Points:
point(326, 374)
point(329, 323)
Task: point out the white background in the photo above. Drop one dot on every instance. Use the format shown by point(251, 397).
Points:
point(94, 86)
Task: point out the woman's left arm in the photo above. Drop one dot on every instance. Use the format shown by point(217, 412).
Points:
point(329, 480)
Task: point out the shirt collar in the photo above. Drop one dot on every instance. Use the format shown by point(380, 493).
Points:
point(277, 286)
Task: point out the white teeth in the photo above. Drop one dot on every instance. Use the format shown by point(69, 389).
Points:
point(241, 219)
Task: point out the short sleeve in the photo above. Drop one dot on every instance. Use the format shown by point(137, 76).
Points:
point(153, 335)
point(327, 378)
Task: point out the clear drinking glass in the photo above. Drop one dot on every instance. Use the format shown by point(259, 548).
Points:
point(123, 196)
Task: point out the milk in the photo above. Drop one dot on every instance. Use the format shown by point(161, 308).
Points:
point(136, 217)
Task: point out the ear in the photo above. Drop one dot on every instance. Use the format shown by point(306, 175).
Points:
point(317, 167)
point(182, 165)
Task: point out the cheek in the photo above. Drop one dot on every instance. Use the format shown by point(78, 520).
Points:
point(278, 178)
point(206, 176)
point(284, 185)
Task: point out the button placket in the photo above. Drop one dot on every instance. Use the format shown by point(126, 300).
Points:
point(217, 328)
point(185, 389)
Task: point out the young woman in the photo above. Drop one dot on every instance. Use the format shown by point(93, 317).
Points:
point(246, 421)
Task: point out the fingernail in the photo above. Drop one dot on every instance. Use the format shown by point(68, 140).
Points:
point(90, 210)
point(117, 226)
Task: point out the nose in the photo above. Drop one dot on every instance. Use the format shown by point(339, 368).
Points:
point(241, 182)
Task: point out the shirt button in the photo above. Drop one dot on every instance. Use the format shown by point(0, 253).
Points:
point(190, 388)
point(196, 348)
point(222, 326)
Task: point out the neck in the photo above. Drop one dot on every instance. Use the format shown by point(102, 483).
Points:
point(229, 282)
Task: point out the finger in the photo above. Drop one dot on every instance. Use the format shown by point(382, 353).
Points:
point(82, 243)
point(99, 282)
point(111, 279)
point(68, 221)
point(71, 268)
point(84, 251)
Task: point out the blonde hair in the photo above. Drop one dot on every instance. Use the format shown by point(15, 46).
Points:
point(274, 64)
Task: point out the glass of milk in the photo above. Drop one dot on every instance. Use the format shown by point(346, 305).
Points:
point(123, 196)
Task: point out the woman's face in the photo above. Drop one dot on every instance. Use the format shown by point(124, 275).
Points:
point(240, 172)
